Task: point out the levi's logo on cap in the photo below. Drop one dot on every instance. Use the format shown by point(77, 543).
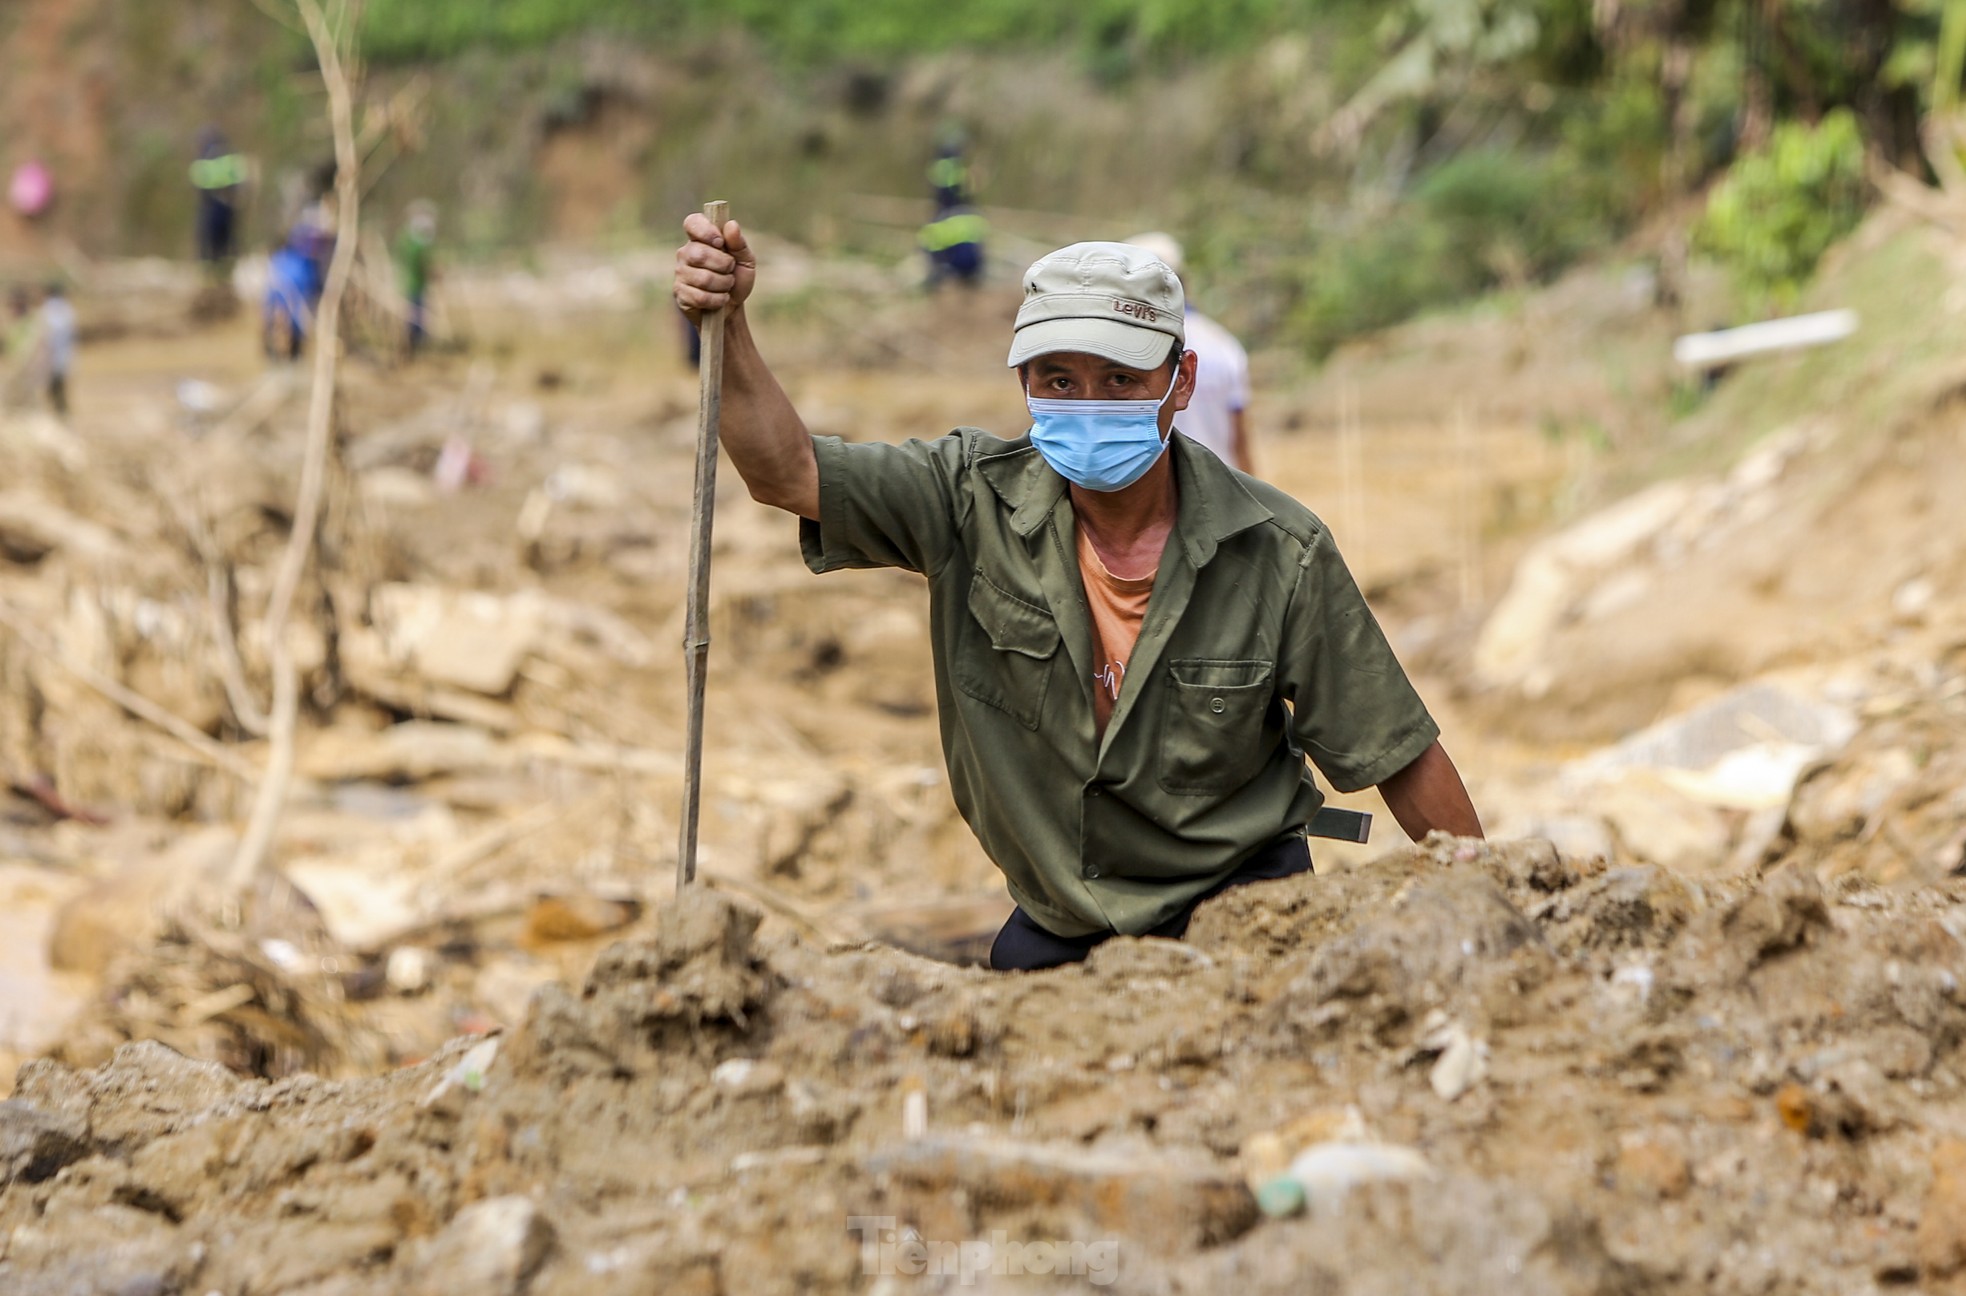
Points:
point(1139, 310)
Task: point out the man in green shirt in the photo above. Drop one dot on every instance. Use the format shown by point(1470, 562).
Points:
point(415, 251)
point(1135, 646)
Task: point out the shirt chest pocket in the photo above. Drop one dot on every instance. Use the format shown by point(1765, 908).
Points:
point(1213, 721)
point(1006, 661)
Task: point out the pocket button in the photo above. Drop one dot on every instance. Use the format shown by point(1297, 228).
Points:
point(1216, 705)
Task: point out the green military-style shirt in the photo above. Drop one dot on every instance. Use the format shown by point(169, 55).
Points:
point(1257, 649)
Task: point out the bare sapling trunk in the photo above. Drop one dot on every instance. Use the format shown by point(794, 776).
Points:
point(334, 48)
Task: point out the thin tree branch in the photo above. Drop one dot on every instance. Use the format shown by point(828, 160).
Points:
point(335, 53)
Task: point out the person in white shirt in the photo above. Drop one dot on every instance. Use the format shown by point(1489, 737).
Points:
point(1217, 416)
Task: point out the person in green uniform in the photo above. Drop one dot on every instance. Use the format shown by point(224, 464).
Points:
point(415, 253)
point(1135, 645)
point(219, 176)
point(954, 244)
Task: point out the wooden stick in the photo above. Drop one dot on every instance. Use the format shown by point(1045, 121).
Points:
point(703, 506)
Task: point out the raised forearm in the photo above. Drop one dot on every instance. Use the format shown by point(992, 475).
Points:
point(1429, 794)
point(766, 439)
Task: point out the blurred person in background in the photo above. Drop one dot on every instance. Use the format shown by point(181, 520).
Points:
point(58, 336)
point(1218, 415)
point(19, 333)
point(953, 238)
point(31, 190)
point(948, 174)
point(954, 244)
point(415, 254)
point(297, 270)
point(218, 174)
point(20, 337)
point(293, 286)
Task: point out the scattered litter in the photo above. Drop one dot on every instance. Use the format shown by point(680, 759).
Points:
point(1706, 350)
point(408, 969)
point(1268, 1154)
point(468, 1074)
point(1320, 1177)
point(732, 1073)
point(914, 1109)
point(1462, 1062)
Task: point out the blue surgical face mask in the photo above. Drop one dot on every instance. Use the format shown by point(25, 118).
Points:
point(1102, 445)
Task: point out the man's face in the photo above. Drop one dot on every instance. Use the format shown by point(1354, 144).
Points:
point(1075, 375)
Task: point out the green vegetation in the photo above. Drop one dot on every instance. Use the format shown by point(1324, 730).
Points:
point(817, 32)
point(1901, 363)
point(1335, 166)
point(1780, 209)
point(1479, 221)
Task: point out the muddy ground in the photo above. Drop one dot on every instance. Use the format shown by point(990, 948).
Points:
point(1707, 1040)
point(1733, 1089)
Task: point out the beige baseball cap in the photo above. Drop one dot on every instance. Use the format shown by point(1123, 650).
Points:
point(1107, 299)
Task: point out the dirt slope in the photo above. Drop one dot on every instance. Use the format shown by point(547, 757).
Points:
point(1807, 514)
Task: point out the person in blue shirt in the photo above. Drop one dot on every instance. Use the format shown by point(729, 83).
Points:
point(293, 290)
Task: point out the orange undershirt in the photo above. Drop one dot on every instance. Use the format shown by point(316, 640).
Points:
point(1118, 607)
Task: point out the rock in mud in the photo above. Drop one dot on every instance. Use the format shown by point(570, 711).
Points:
point(1521, 867)
point(702, 961)
point(468, 639)
point(491, 1248)
point(654, 996)
point(1776, 917)
point(35, 1144)
point(953, 1187)
point(1625, 908)
point(145, 1090)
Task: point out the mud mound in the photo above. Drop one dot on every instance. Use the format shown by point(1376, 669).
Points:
point(1614, 1077)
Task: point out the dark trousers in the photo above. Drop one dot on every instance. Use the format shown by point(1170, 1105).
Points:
point(214, 230)
point(1023, 946)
